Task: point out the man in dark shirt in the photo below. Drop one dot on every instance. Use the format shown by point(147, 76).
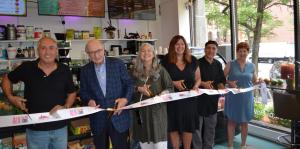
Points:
point(212, 77)
point(48, 87)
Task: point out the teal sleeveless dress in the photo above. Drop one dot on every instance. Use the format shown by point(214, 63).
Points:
point(240, 107)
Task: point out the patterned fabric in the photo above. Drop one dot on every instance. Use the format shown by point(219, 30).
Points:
point(118, 85)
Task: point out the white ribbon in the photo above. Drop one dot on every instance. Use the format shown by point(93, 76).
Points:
point(36, 118)
point(64, 114)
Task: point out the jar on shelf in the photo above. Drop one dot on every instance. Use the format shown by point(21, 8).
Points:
point(79, 35)
point(29, 32)
point(11, 32)
point(97, 30)
point(149, 35)
point(76, 35)
point(2, 32)
point(70, 34)
point(47, 33)
point(21, 32)
point(38, 33)
point(85, 34)
point(110, 34)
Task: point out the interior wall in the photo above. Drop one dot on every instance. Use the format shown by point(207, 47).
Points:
point(174, 20)
point(184, 20)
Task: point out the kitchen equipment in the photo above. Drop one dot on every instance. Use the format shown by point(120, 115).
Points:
point(60, 36)
point(63, 52)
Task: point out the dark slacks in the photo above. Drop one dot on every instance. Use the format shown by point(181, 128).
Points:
point(118, 140)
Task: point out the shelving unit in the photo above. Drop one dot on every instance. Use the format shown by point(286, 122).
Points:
point(75, 40)
point(17, 41)
point(72, 137)
point(9, 64)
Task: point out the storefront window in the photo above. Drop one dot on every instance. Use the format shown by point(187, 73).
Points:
point(271, 38)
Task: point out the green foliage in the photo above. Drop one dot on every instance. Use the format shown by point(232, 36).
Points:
point(269, 111)
point(214, 15)
point(247, 15)
point(259, 110)
point(276, 120)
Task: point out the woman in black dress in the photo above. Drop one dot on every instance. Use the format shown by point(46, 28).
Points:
point(184, 71)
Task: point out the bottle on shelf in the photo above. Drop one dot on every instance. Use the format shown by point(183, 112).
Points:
point(149, 35)
point(11, 32)
point(11, 52)
point(21, 32)
point(29, 32)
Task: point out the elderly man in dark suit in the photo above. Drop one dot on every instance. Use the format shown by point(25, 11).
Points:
point(105, 83)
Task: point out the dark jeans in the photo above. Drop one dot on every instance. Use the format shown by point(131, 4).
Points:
point(297, 132)
point(118, 140)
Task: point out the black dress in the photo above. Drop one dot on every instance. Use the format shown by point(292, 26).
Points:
point(182, 114)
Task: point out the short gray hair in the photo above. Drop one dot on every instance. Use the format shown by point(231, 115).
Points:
point(92, 40)
point(46, 38)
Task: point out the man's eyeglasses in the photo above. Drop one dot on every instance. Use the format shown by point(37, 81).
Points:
point(95, 52)
point(49, 47)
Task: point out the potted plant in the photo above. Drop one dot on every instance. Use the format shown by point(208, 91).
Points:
point(110, 30)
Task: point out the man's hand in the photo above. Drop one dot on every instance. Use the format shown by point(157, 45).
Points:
point(221, 86)
point(55, 108)
point(92, 103)
point(19, 102)
point(179, 85)
point(207, 84)
point(232, 84)
point(196, 89)
point(121, 102)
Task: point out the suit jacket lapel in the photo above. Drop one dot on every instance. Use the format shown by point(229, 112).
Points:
point(108, 73)
point(95, 81)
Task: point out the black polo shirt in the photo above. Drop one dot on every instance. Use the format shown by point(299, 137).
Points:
point(208, 105)
point(44, 92)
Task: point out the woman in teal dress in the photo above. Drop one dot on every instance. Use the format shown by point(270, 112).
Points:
point(239, 108)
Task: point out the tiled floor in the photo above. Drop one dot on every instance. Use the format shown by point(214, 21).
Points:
point(252, 142)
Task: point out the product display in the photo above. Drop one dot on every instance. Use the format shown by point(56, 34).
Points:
point(38, 32)
point(21, 32)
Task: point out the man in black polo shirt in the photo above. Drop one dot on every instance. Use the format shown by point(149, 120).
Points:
point(212, 77)
point(48, 87)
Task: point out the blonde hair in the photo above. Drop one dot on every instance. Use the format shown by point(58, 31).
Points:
point(139, 70)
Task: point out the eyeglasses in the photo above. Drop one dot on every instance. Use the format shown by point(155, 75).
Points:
point(48, 47)
point(95, 52)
